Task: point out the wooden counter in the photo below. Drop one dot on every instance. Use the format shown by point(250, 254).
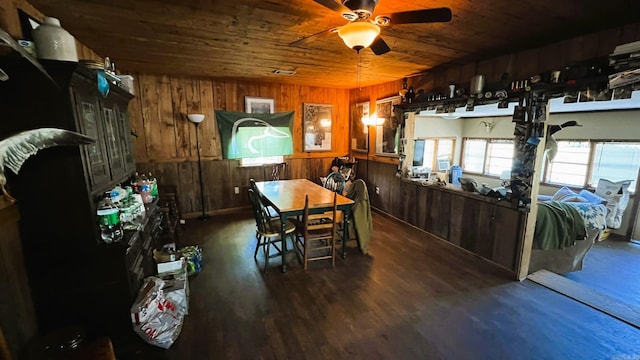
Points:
point(482, 225)
point(456, 189)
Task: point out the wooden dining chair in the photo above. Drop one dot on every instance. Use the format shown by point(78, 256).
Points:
point(268, 230)
point(272, 212)
point(316, 235)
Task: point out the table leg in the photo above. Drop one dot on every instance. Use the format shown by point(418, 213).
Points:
point(283, 237)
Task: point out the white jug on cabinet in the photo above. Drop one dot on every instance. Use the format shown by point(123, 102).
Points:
point(53, 42)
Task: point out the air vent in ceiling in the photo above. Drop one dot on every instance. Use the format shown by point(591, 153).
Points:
point(284, 72)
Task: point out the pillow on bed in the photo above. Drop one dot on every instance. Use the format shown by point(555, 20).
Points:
point(544, 197)
point(567, 195)
point(592, 198)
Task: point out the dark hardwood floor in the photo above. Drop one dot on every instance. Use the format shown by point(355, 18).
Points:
point(413, 297)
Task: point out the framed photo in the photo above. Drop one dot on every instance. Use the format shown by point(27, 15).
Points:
point(317, 120)
point(259, 105)
point(388, 134)
point(359, 131)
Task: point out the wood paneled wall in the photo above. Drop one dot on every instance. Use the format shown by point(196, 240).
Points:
point(166, 142)
point(520, 65)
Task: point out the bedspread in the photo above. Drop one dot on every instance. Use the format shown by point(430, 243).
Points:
point(594, 215)
point(558, 226)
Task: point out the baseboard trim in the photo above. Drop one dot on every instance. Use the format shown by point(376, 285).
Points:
point(192, 215)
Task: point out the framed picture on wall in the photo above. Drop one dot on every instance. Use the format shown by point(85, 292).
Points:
point(388, 134)
point(259, 105)
point(316, 127)
point(359, 131)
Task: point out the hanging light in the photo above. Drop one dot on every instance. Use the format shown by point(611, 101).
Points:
point(372, 120)
point(358, 35)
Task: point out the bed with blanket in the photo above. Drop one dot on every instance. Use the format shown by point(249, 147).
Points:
point(566, 229)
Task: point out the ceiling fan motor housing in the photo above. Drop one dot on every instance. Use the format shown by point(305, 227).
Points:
point(363, 8)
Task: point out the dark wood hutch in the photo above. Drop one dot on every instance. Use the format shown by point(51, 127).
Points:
point(75, 278)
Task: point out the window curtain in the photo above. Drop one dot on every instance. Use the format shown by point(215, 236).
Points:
point(246, 135)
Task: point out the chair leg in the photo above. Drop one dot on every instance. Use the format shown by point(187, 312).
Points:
point(258, 238)
point(267, 249)
point(306, 253)
point(333, 251)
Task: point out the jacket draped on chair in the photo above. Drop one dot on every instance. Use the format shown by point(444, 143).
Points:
point(361, 213)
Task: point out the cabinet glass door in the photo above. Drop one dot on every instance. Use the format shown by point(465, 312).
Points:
point(95, 153)
point(125, 141)
point(112, 138)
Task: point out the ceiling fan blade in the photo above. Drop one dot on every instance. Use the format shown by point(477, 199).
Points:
point(421, 16)
point(334, 5)
point(379, 46)
point(308, 39)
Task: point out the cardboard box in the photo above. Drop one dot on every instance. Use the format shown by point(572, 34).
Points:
point(171, 267)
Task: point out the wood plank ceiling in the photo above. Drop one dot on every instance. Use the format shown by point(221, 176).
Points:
point(248, 39)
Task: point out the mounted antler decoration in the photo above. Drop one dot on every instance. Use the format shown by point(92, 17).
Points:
point(16, 149)
point(488, 125)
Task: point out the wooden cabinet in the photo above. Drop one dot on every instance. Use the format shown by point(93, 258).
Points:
point(110, 158)
point(438, 212)
point(74, 277)
point(481, 225)
point(88, 113)
point(485, 227)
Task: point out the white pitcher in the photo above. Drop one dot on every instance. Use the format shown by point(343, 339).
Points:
point(53, 42)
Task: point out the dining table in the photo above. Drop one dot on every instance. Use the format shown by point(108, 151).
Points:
point(287, 198)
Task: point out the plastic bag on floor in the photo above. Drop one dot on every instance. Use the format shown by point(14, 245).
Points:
point(156, 318)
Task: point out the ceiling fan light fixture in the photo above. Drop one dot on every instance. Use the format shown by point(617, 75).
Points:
point(359, 35)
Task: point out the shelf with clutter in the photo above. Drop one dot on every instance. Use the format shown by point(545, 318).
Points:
point(594, 81)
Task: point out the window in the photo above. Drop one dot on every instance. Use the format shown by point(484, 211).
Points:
point(615, 161)
point(259, 161)
point(570, 164)
point(431, 153)
point(499, 157)
point(583, 163)
point(487, 156)
point(473, 157)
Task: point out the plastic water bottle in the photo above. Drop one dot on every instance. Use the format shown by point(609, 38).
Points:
point(456, 174)
point(109, 221)
point(154, 185)
point(145, 192)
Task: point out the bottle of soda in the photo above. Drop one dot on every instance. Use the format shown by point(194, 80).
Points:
point(109, 220)
point(135, 183)
point(154, 185)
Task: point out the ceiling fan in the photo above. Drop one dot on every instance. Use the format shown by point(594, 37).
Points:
point(362, 32)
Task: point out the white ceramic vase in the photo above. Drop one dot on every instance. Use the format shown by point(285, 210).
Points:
point(53, 42)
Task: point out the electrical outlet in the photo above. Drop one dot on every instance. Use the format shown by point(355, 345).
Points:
point(236, 190)
point(182, 222)
point(377, 190)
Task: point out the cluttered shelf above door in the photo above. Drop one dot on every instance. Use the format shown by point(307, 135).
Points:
point(466, 105)
point(595, 81)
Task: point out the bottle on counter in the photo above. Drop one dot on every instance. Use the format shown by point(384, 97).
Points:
point(109, 220)
point(145, 191)
point(154, 185)
point(135, 183)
